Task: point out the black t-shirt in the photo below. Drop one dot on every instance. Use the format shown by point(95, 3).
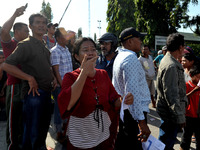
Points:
point(34, 59)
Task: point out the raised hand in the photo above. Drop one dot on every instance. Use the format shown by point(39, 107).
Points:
point(20, 11)
point(88, 65)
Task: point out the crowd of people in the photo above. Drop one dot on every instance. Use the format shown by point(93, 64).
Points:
point(52, 72)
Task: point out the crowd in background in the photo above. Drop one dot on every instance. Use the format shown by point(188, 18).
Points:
point(98, 100)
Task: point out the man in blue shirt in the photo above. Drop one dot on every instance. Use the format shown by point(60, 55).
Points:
point(158, 59)
point(108, 44)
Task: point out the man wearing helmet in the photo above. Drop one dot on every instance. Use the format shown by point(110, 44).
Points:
point(108, 44)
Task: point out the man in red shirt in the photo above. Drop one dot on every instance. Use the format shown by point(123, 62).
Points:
point(13, 101)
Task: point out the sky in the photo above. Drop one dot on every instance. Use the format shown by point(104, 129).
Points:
point(75, 17)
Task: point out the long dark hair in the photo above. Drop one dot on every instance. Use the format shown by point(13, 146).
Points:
point(191, 57)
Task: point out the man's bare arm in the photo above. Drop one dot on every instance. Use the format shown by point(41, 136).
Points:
point(5, 31)
point(14, 71)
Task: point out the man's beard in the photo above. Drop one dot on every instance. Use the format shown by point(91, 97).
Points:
point(106, 53)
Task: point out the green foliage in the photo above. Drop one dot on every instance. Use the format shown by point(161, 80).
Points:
point(195, 47)
point(95, 37)
point(46, 11)
point(155, 17)
point(191, 22)
point(79, 32)
point(120, 15)
point(159, 17)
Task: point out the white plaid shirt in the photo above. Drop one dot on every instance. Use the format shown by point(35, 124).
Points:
point(62, 57)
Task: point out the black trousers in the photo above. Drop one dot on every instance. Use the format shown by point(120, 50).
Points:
point(127, 137)
point(192, 126)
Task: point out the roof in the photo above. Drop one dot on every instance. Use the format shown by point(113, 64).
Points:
point(190, 37)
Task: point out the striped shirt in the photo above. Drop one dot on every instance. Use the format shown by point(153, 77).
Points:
point(62, 57)
point(87, 132)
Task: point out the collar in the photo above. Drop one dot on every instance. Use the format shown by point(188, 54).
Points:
point(36, 40)
point(175, 61)
point(191, 84)
point(15, 39)
point(122, 49)
point(62, 48)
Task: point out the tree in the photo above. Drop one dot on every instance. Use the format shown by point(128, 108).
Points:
point(155, 17)
point(159, 17)
point(95, 37)
point(46, 11)
point(79, 32)
point(191, 21)
point(120, 15)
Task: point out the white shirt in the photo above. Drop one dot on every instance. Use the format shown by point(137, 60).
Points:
point(129, 76)
point(148, 66)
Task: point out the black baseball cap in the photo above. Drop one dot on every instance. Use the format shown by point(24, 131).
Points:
point(51, 24)
point(129, 33)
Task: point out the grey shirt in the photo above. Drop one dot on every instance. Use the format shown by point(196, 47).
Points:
point(171, 90)
point(148, 66)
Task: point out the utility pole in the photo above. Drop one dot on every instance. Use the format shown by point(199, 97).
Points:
point(89, 17)
point(99, 27)
point(64, 12)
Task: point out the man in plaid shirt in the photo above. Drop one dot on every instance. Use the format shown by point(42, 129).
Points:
point(61, 63)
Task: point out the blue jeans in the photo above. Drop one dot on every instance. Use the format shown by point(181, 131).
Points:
point(37, 116)
point(168, 133)
point(57, 118)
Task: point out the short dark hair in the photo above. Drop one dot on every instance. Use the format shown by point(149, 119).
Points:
point(32, 17)
point(174, 41)
point(78, 44)
point(147, 46)
point(57, 33)
point(18, 26)
point(194, 70)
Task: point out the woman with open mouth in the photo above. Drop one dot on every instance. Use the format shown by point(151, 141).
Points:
point(87, 99)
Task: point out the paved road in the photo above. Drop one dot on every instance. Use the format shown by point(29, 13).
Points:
point(153, 122)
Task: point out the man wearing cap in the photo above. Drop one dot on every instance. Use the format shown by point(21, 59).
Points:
point(159, 57)
point(49, 37)
point(129, 76)
point(171, 89)
point(61, 63)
